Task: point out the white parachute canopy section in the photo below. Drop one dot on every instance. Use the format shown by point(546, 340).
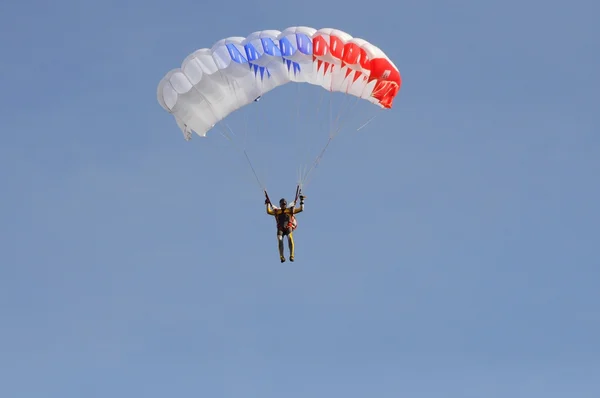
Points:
point(234, 72)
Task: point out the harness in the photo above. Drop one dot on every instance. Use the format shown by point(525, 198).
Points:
point(281, 215)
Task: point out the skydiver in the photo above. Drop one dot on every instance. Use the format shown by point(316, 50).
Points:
point(286, 223)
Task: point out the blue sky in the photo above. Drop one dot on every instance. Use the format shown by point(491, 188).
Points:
point(449, 249)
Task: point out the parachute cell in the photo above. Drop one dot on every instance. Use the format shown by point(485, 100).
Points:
point(236, 71)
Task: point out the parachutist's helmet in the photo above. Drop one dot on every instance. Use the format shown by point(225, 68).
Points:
point(282, 203)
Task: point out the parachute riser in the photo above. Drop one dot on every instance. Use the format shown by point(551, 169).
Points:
point(297, 194)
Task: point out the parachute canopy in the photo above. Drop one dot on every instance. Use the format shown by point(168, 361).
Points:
point(236, 71)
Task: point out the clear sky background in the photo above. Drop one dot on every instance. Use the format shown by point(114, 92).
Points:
point(449, 249)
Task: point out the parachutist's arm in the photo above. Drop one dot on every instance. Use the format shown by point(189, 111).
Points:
point(301, 208)
point(270, 210)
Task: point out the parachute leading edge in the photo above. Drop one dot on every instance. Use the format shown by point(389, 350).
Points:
point(236, 71)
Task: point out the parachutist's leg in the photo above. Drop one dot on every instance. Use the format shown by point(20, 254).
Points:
point(291, 245)
point(280, 239)
point(281, 248)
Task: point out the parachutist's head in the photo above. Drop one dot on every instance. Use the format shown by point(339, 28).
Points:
point(282, 203)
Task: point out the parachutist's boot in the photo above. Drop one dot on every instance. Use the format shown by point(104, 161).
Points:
point(282, 258)
point(292, 258)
